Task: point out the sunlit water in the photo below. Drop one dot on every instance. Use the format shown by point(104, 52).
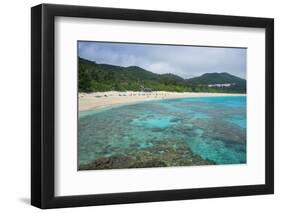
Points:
point(213, 127)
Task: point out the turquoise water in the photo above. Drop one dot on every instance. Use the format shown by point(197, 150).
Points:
point(214, 128)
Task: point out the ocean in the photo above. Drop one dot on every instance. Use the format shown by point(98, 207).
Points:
point(174, 132)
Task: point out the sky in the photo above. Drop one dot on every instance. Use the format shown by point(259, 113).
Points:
point(184, 61)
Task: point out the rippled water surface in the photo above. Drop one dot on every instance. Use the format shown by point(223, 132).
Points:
point(212, 128)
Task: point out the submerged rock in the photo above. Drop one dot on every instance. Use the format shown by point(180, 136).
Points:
point(115, 162)
point(161, 154)
point(223, 131)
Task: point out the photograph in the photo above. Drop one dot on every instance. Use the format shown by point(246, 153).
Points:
point(160, 105)
point(134, 105)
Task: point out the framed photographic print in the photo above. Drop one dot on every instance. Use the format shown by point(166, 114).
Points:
point(139, 106)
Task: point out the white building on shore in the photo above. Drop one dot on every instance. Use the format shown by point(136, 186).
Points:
point(221, 85)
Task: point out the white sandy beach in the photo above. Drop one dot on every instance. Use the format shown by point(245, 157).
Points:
point(97, 100)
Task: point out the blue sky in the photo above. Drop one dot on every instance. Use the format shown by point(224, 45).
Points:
point(185, 61)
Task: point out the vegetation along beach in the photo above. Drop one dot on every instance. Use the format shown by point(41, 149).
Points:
point(133, 117)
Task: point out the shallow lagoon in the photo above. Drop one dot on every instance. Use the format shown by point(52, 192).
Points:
point(209, 129)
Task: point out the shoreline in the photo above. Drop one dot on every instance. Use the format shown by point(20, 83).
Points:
point(100, 100)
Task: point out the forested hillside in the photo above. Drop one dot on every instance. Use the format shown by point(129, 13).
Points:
point(95, 77)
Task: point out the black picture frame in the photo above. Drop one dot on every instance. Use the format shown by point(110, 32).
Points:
point(43, 102)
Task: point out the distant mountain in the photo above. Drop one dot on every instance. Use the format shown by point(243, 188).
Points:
point(216, 78)
point(225, 80)
point(172, 77)
point(105, 77)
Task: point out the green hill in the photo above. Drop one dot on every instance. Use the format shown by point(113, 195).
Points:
point(215, 78)
point(237, 84)
point(95, 77)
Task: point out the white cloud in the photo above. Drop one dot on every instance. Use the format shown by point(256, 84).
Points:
point(185, 61)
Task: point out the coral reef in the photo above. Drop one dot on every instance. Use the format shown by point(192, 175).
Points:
point(162, 154)
point(178, 132)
